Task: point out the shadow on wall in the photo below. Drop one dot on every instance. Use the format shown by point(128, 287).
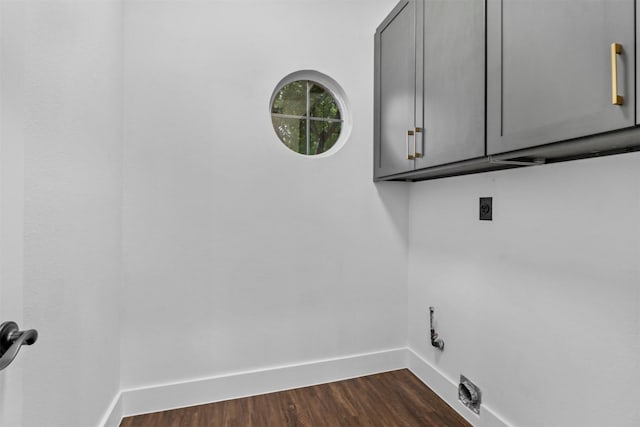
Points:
point(395, 199)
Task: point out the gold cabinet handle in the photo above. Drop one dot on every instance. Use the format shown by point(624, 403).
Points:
point(616, 49)
point(409, 155)
point(416, 153)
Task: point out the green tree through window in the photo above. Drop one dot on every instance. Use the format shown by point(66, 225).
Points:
point(306, 117)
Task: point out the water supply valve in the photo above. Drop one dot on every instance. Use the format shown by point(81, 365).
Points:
point(436, 341)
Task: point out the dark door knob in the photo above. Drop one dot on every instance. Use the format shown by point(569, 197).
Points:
point(11, 339)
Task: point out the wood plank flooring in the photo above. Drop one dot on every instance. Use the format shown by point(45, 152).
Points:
point(389, 399)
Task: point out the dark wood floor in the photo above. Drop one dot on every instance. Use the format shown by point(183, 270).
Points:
point(390, 399)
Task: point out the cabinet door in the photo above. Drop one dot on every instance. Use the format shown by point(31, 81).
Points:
point(395, 90)
point(550, 70)
point(454, 46)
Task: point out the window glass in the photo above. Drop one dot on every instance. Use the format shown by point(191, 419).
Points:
point(306, 117)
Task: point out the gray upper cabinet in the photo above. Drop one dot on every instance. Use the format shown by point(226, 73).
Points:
point(429, 85)
point(453, 81)
point(552, 69)
point(468, 86)
point(395, 90)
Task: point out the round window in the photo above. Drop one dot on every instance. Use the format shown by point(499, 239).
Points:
point(308, 113)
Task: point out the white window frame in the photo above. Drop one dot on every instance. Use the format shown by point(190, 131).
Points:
point(338, 94)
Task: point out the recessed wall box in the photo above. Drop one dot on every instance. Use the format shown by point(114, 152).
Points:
point(469, 394)
point(486, 208)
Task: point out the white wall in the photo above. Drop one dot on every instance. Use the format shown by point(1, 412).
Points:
point(240, 254)
point(539, 307)
point(67, 113)
point(11, 198)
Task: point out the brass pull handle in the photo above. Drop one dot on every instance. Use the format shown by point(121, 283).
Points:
point(417, 154)
point(409, 155)
point(616, 49)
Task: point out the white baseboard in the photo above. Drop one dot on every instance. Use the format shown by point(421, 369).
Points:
point(447, 389)
point(250, 383)
point(113, 415)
